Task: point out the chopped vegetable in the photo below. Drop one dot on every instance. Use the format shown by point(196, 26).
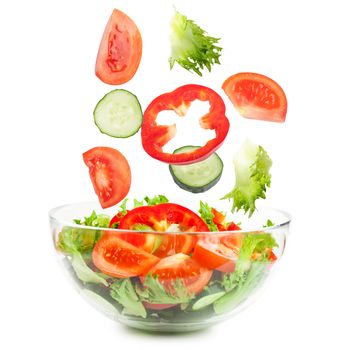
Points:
point(198, 177)
point(208, 216)
point(120, 50)
point(256, 96)
point(180, 267)
point(252, 165)
point(118, 114)
point(124, 292)
point(83, 272)
point(191, 46)
point(154, 292)
point(269, 223)
point(155, 137)
point(110, 174)
point(160, 199)
point(163, 217)
point(118, 258)
point(72, 239)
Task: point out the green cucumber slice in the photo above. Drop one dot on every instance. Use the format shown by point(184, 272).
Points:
point(198, 177)
point(118, 114)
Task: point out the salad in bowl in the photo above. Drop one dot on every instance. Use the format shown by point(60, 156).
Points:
point(160, 266)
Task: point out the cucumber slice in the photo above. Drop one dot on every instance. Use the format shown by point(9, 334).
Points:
point(198, 177)
point(118, 114)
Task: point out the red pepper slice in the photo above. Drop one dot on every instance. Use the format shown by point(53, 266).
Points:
point(155, 136)
point(160, 218)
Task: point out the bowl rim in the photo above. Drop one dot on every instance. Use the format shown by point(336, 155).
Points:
point(53, 218)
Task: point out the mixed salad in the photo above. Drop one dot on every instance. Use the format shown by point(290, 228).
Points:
point(154, 267)
point(154, 275)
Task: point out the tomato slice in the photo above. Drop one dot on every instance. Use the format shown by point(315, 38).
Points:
point(213, 255)
point(118, 258)
point(120, 50)
point(256, 96)
point(161, 218)
point(110, 174)
point(151, 306)
point(155, 137)
point(181, 266)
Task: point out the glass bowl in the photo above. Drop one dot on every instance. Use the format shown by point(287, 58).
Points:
point(200, 279)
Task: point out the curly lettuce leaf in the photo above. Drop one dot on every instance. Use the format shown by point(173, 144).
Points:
point(84, 273)
point(191, 46)
point(248, 274)
point(207, 215)
point(160, 199)
point(123, 291)
point(73, 239)
point(154, 292)
point(252, 171)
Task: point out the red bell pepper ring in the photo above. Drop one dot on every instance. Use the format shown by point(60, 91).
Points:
point(155, 136)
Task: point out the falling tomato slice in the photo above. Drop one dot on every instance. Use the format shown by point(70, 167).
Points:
point(120, 50)
point(110, 174)
point(256, 96)
point(118, 258)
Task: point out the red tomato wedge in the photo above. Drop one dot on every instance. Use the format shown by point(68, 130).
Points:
point(161, 218)
point(256, 96)
point(118, 258)
point(194, 276)
point(221, 222)
point(155, 137)
point(110, 174)
point(214, 255)
point(120, 50)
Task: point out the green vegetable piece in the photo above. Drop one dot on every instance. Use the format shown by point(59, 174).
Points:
point(269, 223)
point(154, 292)
point(207, 215)
point(137, 203)
point(142, 227)
point(123, 210)
point(248, 274)
point(239, 294)
point(252, 165)
point(160, 199)
point(118, 114)
point(84, 273)
point(207, 300)
point(72, 239)
point(191, 46)
point(122, 290)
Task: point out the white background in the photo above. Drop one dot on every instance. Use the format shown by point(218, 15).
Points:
point(48, 92)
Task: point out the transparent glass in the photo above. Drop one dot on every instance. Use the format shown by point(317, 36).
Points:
point(217, 274)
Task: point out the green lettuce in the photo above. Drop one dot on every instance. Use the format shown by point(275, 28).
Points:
point(191, 46)
point(252, 171)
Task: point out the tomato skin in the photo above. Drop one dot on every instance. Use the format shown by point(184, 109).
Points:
point(214, 255)
point(256, 96)
point(193, 275)
point(118, 258)
point(155, 136)
point(160, 217)
point(158, 306)
point(120, 50)
point(110, 174)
